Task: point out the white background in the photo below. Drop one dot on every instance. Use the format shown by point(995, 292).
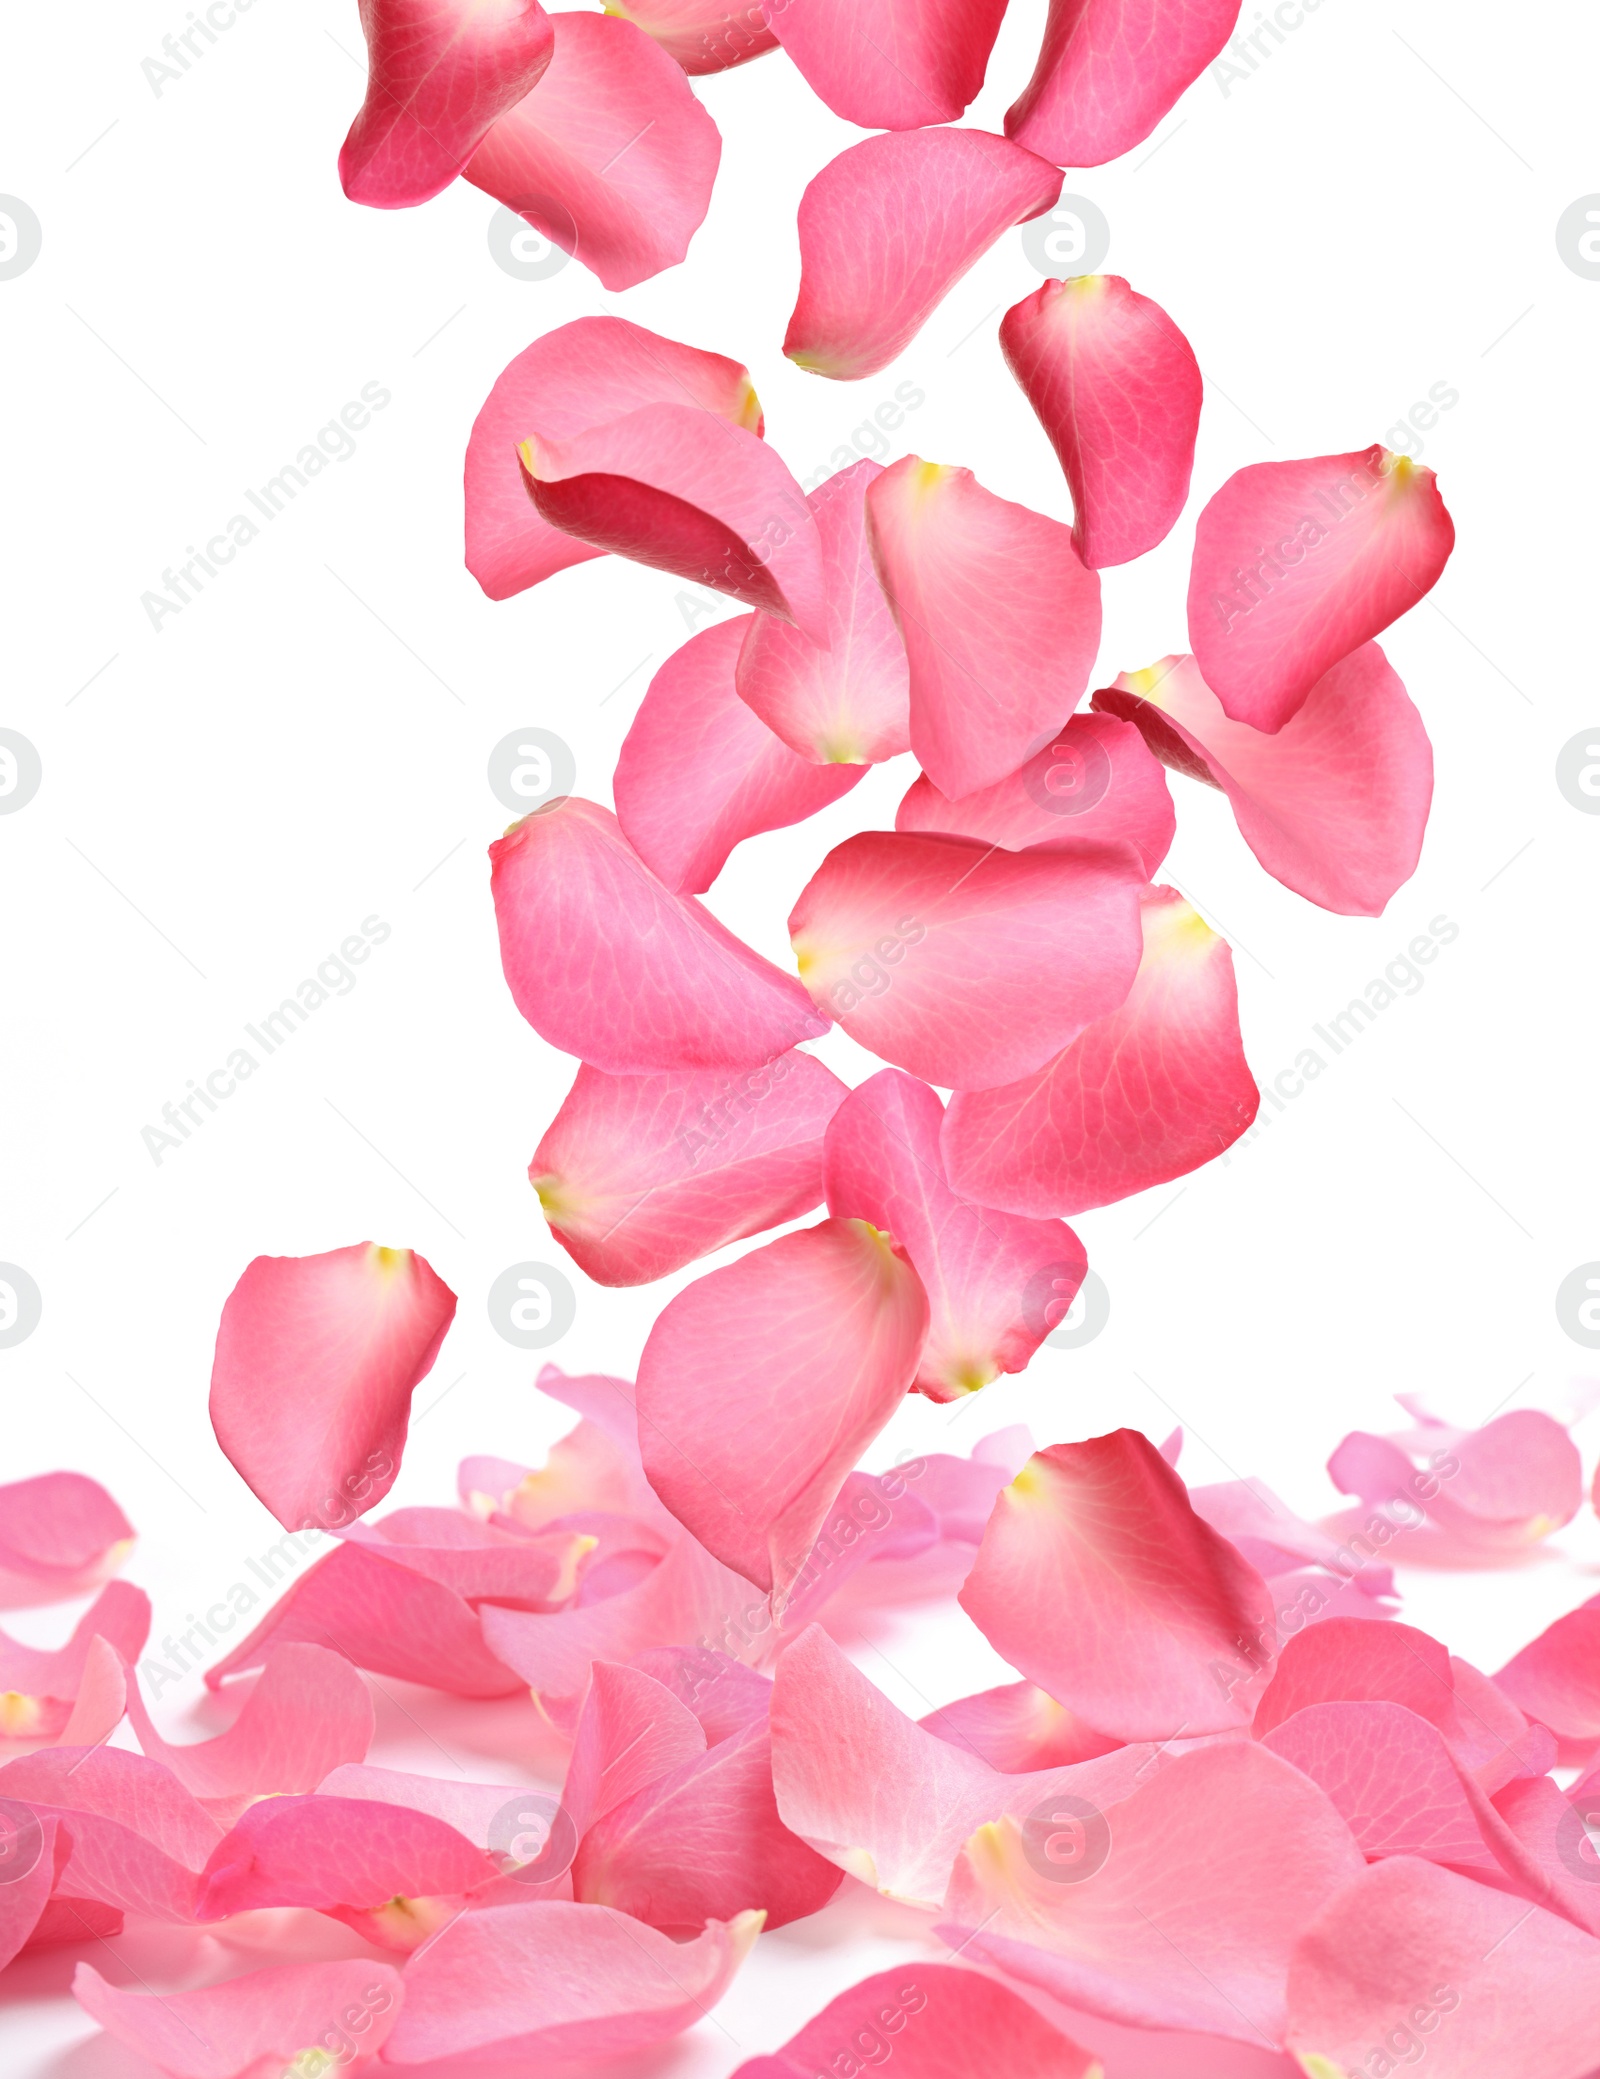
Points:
point(1371, 213)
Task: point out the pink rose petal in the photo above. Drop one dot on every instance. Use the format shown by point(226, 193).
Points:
point(263, 2021)
point(138, 1840)
point(703, 35)
point(333, 1852)
point(890, 64)
point(1017, 1729)
point(1556, 1678)
point(40, 1685)
point(61, 1535)
point(1110, 69)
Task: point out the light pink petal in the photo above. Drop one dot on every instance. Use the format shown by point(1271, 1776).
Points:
point(439, 73)
point(1017, 1728)
point(700, 771)
point(594, 1468)
point(703, 35)
point(639, 1175)
point(889, 227)
point(1391, 1777)
point(890, 64)
point(996, 1285)
point(330, 1852)
point(481, 1562)
point(553, 1981)
point(877, 1523)
point(844, 702)
point(1148, 1093)
point(138, 1839)
point(831, 1321)
point(1428, 1967)
point(1110, 69)
point(902, 937)
point(578, 376)
point(631, 1730)
point(282, 2016)
point(1279, 1543)
point(35, 1854)
point(610, 157)
point(40, 1685)
point(1095, 781)
point(607, 963)
point(1207, 1875)
point(102, 1699)
point(1558, 1835)
point(1296, 564)
point(1488, 1493)
point(1334, 804)
point(1556, 1678)
point(724, 1694)
point(1001, 620)
point(1169, 1625)
point(1116, 386)
point(61, 1535)
point(67, 1919)
point(317, 1358)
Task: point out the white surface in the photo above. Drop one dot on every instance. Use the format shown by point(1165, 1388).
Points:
point(1336, 234)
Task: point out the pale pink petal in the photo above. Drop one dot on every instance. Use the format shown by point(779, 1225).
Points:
point(317, 1358)
point(1110, 69)
point(703, 35)
point(1296, 564)
point(607, 963)
point(439, 73)
point(578, 376)
point(39, 1686)
point(1001, 620)
point(831, 1321)
point(889, 227)
point(1148, 1093)
point(1017, 1728)
point(281, 2017)
point(332, 1852)
point(481, 1562)
point(877, 1522)
point(138, 1839)
point(67, 1919)
point(61, 1535)
point(610, 157)
point(1116, 386)
point(604, 1402)
point(890, 64)
point(844, 702)
point(475, 1810)
point(724, 1694)
point(102, 1699)
point(1556, 1679)
point(699, 771)
point(1094, 781)
point(33, 1852)
point(631, 1730)
point(594, 1468)
point(1169, 1625)
point(1334, 804)
point(1558, 1834)
point(1279, 1544)
point(996, 1285)
point(554, 1981)
point(639, 1175)
point(901, 937)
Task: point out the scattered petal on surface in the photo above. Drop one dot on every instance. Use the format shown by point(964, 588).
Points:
point(61, 1535)
point(271, 2019)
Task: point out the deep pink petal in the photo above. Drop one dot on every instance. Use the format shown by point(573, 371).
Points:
point(1391, 1777)
point(1017, 1728)
point(1116, 386)
point(889, 227)
point(439, 73)
point(890, 64)
point(1000, 618)
point(631, 1730)
point(1296, 564)
point(1110, 69)
point(61, 1535)
point(607, 963)
point(328, 1852)
point(903, 937)
point(831, 1321)
point(268, 2018)
point(610, 157)
point(138, 1839)
point(703, 35)
point(1169, 1626)
point(1556, 1678)
point(40, 1685)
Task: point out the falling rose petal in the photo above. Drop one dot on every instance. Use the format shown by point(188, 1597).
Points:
point(1094, 783)
point(699, 771)
point(331, 1853)
point(557, 1981)
point(40, 1685)
point(1117, 388)
point(578, 376)
point(605, 962)
point(61, 1535)
point(890, 64)
point(846, 702)
point(1297, 564)
point(138, 1840)
point(1001, 620)
point(639, 1175)
point(1556, 1679)
point(703, 35)
point(1110, 69)
point(1334, 804)
point(831, 1321)
point(1016, 1729)
point(1170, 1626)
point(996, 1285)
point(610, 157)
point(889, 227)
point(317, 1358)
point(1148, 1093)
point(681, 490)
point(286, 2017)
point(898, 935)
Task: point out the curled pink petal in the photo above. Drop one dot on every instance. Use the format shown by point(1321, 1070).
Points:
point(902, 937)
point(889, 227)
point(610, 156)
point(996, 1285)
point(40, 1685)
point(1148, 1093)
point(1556, 1679)
point(890, 64)
point(138, 1840)
point(578, 376)
point(1000, 618)
point(272, 2019)
point(831, 1320)
point(1017, 1728)
point(844, 702)
point(631, 1731)
point(703, 35)
point(1297, 564)
point(1095, 782)
point(1110, 69)
point(700, 771)
point(333, 1852)
point(607, 963)
point(439, 73)
point(1116, 386)
point(317, 1358)
point(61, 1535)
point(639, 1175)
point(1170, 1626)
